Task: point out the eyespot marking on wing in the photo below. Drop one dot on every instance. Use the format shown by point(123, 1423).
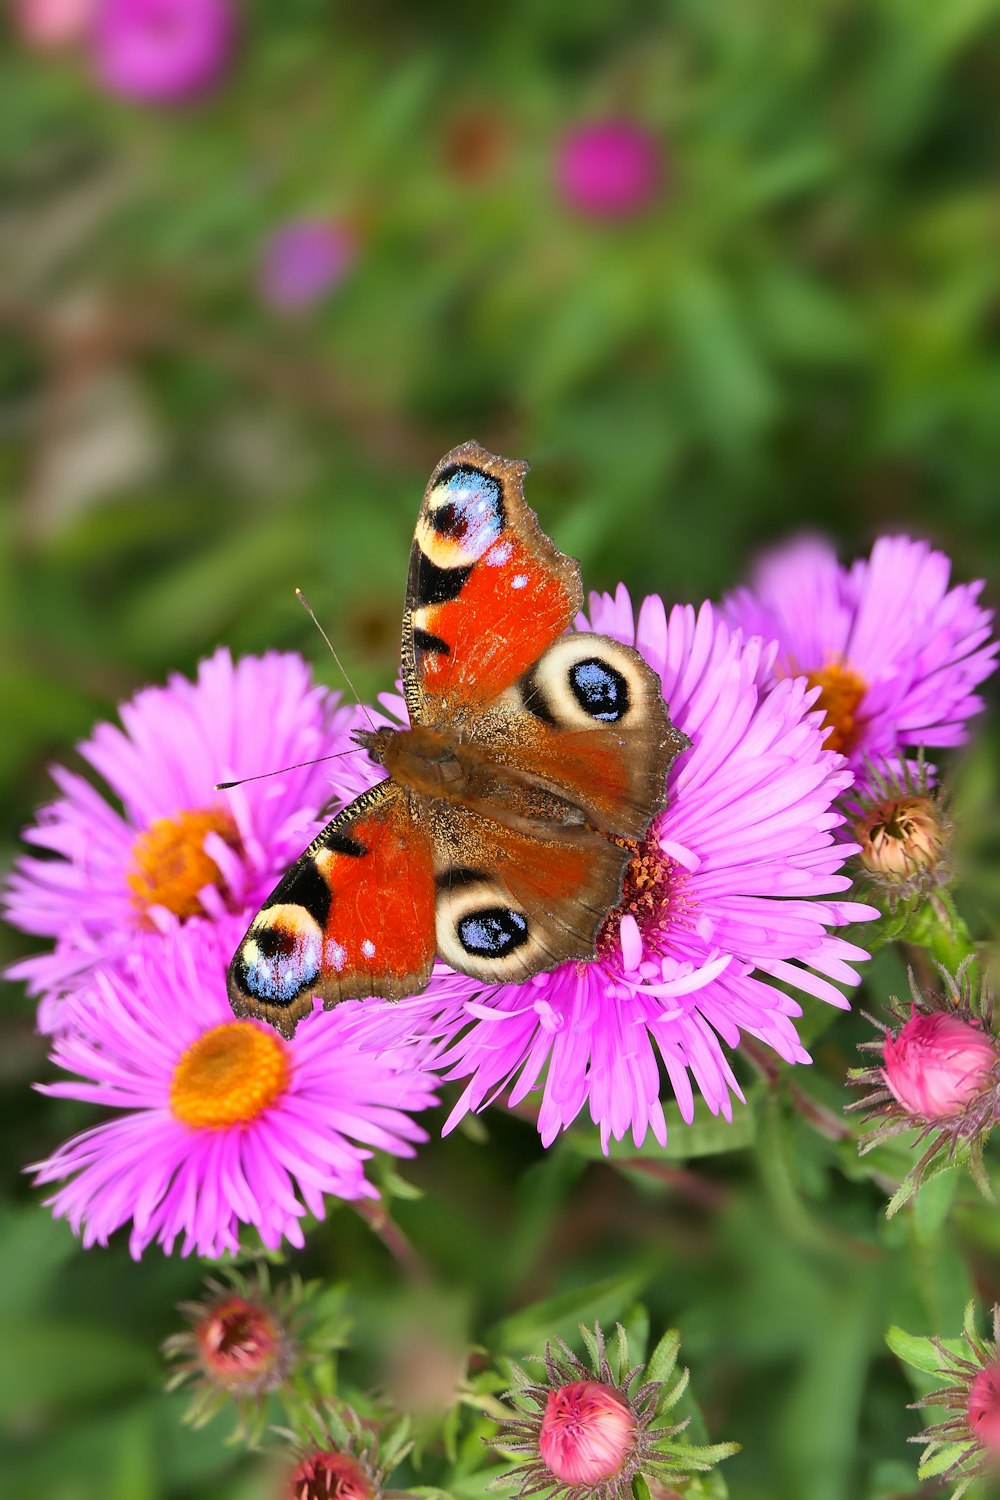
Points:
point(492, 933)
point(280, 955)
point(463, 517)
point(600, 689)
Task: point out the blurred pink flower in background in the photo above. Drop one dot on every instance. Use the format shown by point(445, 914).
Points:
point(609, 170)
point(303, 260)
point(162, 51)
point(894, 650)
point(51, 24)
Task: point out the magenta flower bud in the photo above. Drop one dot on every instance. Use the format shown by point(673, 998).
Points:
point(937, 1065)
point(163, 51)
point(586, 1433)
point(609, 170)
point(983, 1408)
point(303, 261)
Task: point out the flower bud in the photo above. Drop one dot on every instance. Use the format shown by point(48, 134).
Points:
point(586, 1433)
point(937, 1065)
point(900, 837)
point(241, 1345)
point(330, 1475)
point(983, 1408)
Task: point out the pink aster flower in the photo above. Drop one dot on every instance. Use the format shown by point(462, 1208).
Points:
point(162, 51)
point(731, 889)
point(220, 1123)
point(303, 261)
point(895, 652)
point(178, 851)
point(608, 170)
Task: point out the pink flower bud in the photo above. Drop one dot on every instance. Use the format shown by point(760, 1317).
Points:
point(586, 1433)
point(240, 1345)
point(330, 1475)
point(937, 1065)
point(983, 1407)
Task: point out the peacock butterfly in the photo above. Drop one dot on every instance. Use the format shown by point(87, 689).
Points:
point(535, 761)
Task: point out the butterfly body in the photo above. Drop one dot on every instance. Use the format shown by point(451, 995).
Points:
point(534, 762)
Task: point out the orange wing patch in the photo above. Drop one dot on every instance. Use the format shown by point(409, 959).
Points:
point(487, 591)
point(353, 917)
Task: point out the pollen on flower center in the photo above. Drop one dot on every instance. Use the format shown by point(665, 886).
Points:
point(169, 864)
point(840, 693)
point(652, 893)
point(229, 1076)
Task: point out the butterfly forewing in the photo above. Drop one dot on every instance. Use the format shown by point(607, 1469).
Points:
point(487, 590)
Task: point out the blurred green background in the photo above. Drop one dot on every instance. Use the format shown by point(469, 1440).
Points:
point(798, 329)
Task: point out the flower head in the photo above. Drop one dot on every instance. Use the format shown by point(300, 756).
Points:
point(221, 1123)
point(609, 170)
point(587, 1430)
point(896, 653)
point(177, 851)
point(970, 1435)
point(734, 886)
point(162, 51)
point(245, 1340)
point(939, 1075)
point(304, 260)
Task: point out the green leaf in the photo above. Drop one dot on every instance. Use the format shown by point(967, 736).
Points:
point(526, 1331)
point(664, 1357)
point(913, 1350)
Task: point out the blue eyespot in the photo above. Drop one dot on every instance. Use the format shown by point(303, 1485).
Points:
point(467, 507)
point(600, 689)
point(492, 933)
point(280, 960)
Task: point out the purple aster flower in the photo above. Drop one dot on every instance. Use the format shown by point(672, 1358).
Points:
point(162, 51)
point(895, 652)
point(178, 851)
point(222, 1122)
point(731, 889)
point(303, 261)
point(609, 170)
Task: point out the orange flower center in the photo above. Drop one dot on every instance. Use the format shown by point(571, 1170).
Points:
point(169, 864)
point(229, 1076)
point(840, 693)
point(652, 892)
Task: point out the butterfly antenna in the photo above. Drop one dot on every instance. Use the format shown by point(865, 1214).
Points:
point(225, 786)
point(300, 596)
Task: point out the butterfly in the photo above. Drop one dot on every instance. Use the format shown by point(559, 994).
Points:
point(534, 764)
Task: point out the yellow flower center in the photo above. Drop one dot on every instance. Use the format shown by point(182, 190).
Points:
point(169, 863)
point(229, 1076)
point(840, 695)
point(654, 893)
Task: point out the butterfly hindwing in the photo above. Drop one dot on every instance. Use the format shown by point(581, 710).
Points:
point(487, 590)
point(511, 903)
point(353, 917)
point(589, 722)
